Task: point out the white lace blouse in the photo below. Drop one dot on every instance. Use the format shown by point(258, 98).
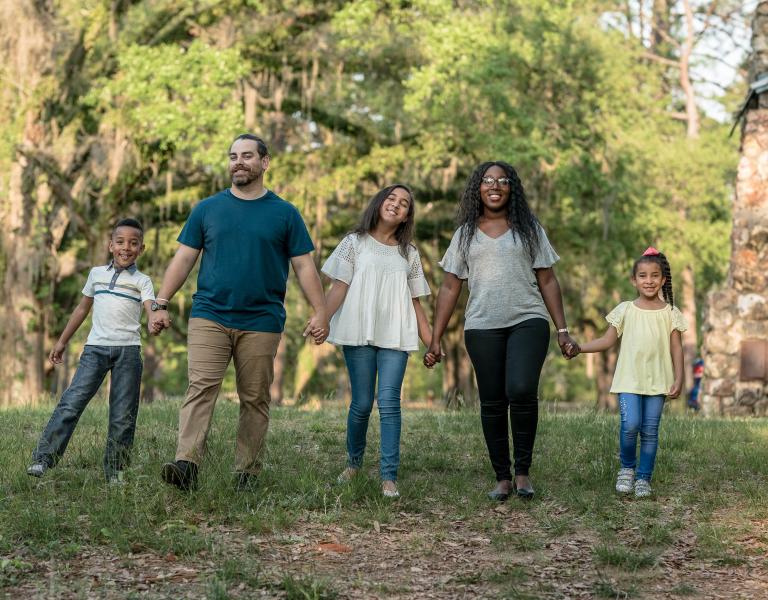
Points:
point(378, 308)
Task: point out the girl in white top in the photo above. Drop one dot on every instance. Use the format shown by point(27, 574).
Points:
point(376, 318)
point(650, 366)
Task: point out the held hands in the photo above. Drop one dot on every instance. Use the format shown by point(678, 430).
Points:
point(55, 355)
point(568, 346)
point(433, 355)
point(675, 390)
point(158, 320)
point(318, 328)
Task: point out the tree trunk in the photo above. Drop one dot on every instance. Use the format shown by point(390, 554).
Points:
point(459, 387)
point(29, 45)
point(690, 337)
point(276, 389)
point(151, 371)
point(691, 110)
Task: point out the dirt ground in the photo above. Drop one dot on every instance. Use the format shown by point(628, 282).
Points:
point(418, 557)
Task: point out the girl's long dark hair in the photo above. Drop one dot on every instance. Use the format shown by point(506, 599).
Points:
point(370, 217)
point(666, 272)
point(521, 220)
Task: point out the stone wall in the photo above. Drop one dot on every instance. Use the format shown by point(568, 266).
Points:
point(740, 310)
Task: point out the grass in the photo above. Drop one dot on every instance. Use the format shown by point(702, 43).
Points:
point(710, 487)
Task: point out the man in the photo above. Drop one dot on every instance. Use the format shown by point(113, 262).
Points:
point(247, 235)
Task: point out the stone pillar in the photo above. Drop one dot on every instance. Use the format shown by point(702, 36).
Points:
point(739, 311)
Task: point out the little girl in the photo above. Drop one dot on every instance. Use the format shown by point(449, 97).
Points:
point(376, 318)
point(650, 365)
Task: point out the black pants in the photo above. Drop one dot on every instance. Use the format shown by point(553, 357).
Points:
point(508, 365)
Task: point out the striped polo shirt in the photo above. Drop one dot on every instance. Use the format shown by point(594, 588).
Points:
point(117, 295)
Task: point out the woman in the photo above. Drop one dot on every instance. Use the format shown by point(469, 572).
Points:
point(501, 250)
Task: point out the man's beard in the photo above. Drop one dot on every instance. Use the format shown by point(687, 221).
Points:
point(244, 178)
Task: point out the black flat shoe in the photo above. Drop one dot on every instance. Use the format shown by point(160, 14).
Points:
point(498, 496)
point(525, 493)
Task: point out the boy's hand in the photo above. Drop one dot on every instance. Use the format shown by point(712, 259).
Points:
point(675, 390)
point(158, 320)
point(55, 355)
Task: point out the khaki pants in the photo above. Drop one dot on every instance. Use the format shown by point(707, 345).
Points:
point(210, 347)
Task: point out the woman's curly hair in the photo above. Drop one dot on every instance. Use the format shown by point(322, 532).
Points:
point(521, 220)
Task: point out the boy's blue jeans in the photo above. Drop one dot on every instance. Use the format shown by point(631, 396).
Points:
point(363, 364)
point(639, 414)
point(95, 362)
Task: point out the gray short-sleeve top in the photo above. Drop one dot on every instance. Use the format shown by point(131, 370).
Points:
point(503, 290)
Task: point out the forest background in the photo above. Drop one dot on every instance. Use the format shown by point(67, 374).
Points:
point(616, 114)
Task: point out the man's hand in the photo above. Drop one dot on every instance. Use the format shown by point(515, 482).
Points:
point(56, 354)
point(675, 390)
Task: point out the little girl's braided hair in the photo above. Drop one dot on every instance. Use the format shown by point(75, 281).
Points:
point(654, 256)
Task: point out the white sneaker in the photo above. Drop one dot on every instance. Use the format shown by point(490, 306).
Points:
point(642, 488)
point(116, 479)
point(347, 475)
point(37, 469)
point(389, 489)
point(624, 481)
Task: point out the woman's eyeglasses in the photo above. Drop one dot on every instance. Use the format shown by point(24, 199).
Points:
point(502, 181)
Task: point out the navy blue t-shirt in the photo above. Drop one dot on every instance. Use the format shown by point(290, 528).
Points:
point(247, 246)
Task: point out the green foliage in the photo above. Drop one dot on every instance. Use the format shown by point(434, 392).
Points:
point(178, 99)
point(146, 96)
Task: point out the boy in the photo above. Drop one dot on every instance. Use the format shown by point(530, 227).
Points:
point(116, 291)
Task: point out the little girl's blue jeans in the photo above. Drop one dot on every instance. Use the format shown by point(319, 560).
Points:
point(639, 414)
point(364, 363)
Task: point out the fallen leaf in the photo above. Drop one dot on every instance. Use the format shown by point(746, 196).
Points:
point(332, 547)
point(377, 527)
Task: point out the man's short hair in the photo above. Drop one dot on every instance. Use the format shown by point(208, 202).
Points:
point(128, 222)
point(261, 147)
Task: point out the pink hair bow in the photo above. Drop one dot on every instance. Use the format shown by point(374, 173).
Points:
point(651, 251)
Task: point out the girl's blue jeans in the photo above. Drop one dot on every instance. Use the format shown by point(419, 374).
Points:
point(639, 414)
point(364, 363)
